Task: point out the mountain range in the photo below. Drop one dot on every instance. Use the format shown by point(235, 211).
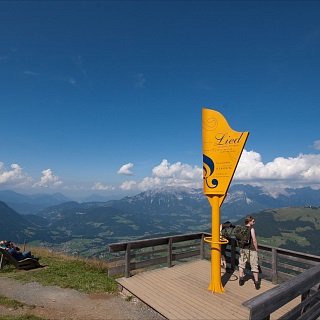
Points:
point(87, 226)
point(240, 200)
point(31, 204)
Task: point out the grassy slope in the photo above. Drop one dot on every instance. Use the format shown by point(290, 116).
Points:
point(15, 305)
point(88, 276)
point(84, 275)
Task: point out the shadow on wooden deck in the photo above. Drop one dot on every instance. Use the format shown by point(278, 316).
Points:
point(181, 292)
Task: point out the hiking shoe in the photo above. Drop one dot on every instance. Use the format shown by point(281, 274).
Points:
point(257, 285)
point(241, 282)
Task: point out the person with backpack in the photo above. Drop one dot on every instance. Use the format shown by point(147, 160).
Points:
point(248, 248)
point(225, 233)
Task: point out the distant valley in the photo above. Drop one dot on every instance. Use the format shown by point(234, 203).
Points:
point(286, 219)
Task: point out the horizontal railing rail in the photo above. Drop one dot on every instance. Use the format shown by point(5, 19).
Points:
point(263, 305)
point(281, 264)
point(150, 252)
point(276, 264)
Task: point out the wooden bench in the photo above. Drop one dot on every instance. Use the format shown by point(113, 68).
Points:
point(24, 264)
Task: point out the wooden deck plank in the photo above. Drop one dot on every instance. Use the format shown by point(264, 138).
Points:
point(155, 288)
point(181, 292)
point(194, 296)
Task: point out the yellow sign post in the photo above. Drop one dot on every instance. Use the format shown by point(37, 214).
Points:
point(222, 148)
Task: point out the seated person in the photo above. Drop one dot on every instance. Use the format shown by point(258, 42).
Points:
point(17, 254)
point(3, 244)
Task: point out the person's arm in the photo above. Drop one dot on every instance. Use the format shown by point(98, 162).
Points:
point(254, 239)
point(12, 251)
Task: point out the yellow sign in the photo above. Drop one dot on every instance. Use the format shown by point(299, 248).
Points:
point(222, 148)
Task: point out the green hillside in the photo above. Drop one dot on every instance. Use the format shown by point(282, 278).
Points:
point(293, 228)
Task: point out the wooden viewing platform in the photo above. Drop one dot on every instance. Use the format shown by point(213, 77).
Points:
point(178, 289)
point(180, 292)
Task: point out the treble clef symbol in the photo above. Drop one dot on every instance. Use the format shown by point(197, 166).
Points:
point(208, 169)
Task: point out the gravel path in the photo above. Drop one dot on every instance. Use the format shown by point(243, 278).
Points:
point(55, 303)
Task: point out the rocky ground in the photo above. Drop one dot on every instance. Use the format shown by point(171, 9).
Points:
point(55, 303)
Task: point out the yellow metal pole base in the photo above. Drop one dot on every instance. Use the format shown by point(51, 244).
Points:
point(215, 284)
point(216, 287)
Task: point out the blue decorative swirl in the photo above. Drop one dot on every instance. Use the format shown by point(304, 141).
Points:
point(208, 169)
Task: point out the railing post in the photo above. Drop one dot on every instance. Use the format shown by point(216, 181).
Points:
point(169, 258)
point(1, 260)
point(304, 296)
point(127, 261)
point(233, 253)
point(202, 249)
point(274, 266)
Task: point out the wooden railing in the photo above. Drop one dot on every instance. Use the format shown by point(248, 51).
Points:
point(157, 251)
point(266, 303)
point(277, 265)
point(280, 264)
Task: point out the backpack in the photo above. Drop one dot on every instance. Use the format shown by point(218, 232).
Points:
point(243, 235)
point(224, 233)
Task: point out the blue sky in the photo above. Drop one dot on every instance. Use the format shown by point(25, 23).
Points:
point(106, 96)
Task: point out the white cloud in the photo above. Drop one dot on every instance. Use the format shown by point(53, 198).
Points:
point(177, 170)
point(303, 170)
point(48, 180)
point(150, 183)
point(13, 178)
point(297, 172)
point(166, 174)
point(100, 186)
point(125, 169)
point(316, 144)
point(128, 185)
